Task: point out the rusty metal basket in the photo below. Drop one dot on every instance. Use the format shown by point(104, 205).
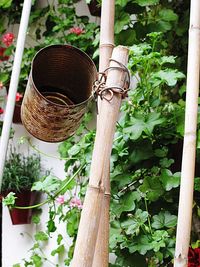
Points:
point(58, 91)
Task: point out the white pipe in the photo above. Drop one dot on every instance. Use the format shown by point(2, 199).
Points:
point(13, 85)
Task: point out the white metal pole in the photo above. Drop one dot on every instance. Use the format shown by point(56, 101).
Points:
point(14, 84)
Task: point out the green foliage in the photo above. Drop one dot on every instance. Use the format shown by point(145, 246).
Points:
point(9, 200)
point(47, 184)
point(143, 181)
point(41, 236)
point(197, 184)
point(20, 171)
point(145, 175)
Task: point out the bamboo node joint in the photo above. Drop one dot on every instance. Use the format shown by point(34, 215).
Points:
point(97, 188)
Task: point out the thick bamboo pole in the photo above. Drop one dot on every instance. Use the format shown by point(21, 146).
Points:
point(106, 33)
point(101, 255)
point(189, 146)
point(90, 217)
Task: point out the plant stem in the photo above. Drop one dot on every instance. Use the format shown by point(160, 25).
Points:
point(43, 153)
point(148, 219)
point(56, 193)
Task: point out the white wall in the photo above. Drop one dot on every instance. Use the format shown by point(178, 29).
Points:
point(15, 241)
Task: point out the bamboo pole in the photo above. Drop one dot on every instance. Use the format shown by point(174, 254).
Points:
point(189, 145)
point(101, 255)
point(106, 33)
point(13, 85)
point(90, 217)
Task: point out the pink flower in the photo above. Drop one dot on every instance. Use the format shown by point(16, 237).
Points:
point(76, 203)
point(18, 97)
point(1, 111)
point(2, 56)
point(76, 30)
point(60, 200)
point(1, 85)
point(8, 38)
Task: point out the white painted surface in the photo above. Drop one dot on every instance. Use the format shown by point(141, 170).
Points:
point(15, 241)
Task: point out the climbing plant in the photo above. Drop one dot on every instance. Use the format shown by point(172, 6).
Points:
point(143, 180)
point(146, 156)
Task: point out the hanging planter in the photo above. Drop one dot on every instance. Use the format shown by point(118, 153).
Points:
point(17, 114)
point(17, 108)
point(20, 173)
point(95, 8)
point(24, 198)
point(58, 92)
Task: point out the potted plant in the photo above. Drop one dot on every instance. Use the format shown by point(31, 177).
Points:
point(20, 173)
point(94, 7)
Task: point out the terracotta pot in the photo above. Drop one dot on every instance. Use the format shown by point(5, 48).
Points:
point(17, 110)
point(17, 114)
point(24, 198)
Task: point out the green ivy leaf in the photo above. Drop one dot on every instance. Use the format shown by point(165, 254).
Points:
point(152, 187)
point(132, 225)
point(125, 37)
point(166, 163)
point(121, 3)
point(51, 226)
point(74, 150)
point(142, 244)
point(142, 151)
point(126, 203)
point(160, 238)
point(37, 260)
point(36, 219)
point(60, 250)
point(161, 152)
point(164, 219)
point(168, 15)
point(146, 2)
point(59, 239)
point(41, 236)
point(72, 222)
point(167, 59)
point(136, 129)
point(4, 77)
point(129, 200)
point(9, 200)
point(115, 237)
point(143, 124)
point(121, 180)
point(167, 76)
point(5, 3)
point(152, 120)
point(169, 180)
point(197, 184)
point(48, 184)
point(124, 20)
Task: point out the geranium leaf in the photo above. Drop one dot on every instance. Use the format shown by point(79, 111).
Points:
point(164, 219)
point(169, 180)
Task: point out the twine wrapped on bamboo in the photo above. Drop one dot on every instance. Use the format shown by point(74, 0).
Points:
point(92, 208)
point(189, 146)
point(101, 255)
